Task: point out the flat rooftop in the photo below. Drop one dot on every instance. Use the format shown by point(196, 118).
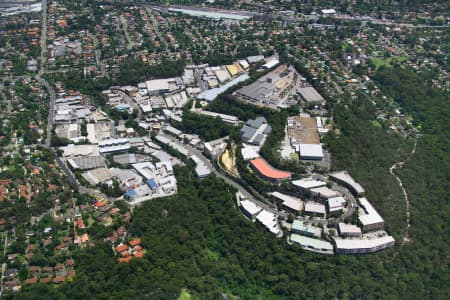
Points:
point(364, 243)
point(368, 215)
point(303, 130)
point(250, 207)
point(311, 243)
point(325, 192)
point(311, 95)
point(210, 95)
point(345, 177)
point(271, 89)
point(313, 207)
point(308, 183)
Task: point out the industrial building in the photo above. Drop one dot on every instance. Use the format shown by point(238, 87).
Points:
point(114, 146)
point(335, 205)
point(97, 176)
point(201, 169)
point(163, 86)
point(346, 180)
point(261, 166)
point(72, 150)
point(270, 221)
point(254, 132)
point(249, 209)
point(290, 203)
point(369, 218)
point(211, 94)
point(274, 90)
point(304, 137)
point(226, 118)
point(311, 96)
point(312, 244)
point(306, 229)
point(310, 151)
point(316, 209)
point(308, 183)
point(349, 230)
point(86, 162)
point(213, 149)
point(324, 193)
point(363, 245)
point(125, 158)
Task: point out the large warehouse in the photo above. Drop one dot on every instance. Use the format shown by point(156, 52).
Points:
point(310, 151)
point(273, 90)
point(311, 96)
point(304, 137)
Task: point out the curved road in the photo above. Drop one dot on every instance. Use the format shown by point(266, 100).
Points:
point(244, 191)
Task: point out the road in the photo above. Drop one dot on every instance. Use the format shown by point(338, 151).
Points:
point(98, 56)
point(43, 37)
point(51, 109)
point(249, 194)
point(127, 35)
point(132, 104)
point(244, 191)
point(72, 179)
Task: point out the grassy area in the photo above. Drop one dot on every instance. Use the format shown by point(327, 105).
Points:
point(378, 61)
point(90, 222)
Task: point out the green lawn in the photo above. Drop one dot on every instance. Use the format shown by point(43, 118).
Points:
point(378, 61)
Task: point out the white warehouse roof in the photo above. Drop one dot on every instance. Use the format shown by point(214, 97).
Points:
point(308, 183)
point(328, 11)
point(311, 151)
point(249, 153)
point(250, 207)
point(159, 84)
point(313, 207)
point(347, 179)
point(291, 202)
point(349, 228)
point(364, 243)
point(336, 202)
point(324, 192)
point(271, 63)
point(269, 220)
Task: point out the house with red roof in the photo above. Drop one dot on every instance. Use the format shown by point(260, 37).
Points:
point(124, 259)
point(135, 242)
point(121, 248)
point(58, 279)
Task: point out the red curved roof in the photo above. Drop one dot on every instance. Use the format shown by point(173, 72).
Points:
point(268, 171)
